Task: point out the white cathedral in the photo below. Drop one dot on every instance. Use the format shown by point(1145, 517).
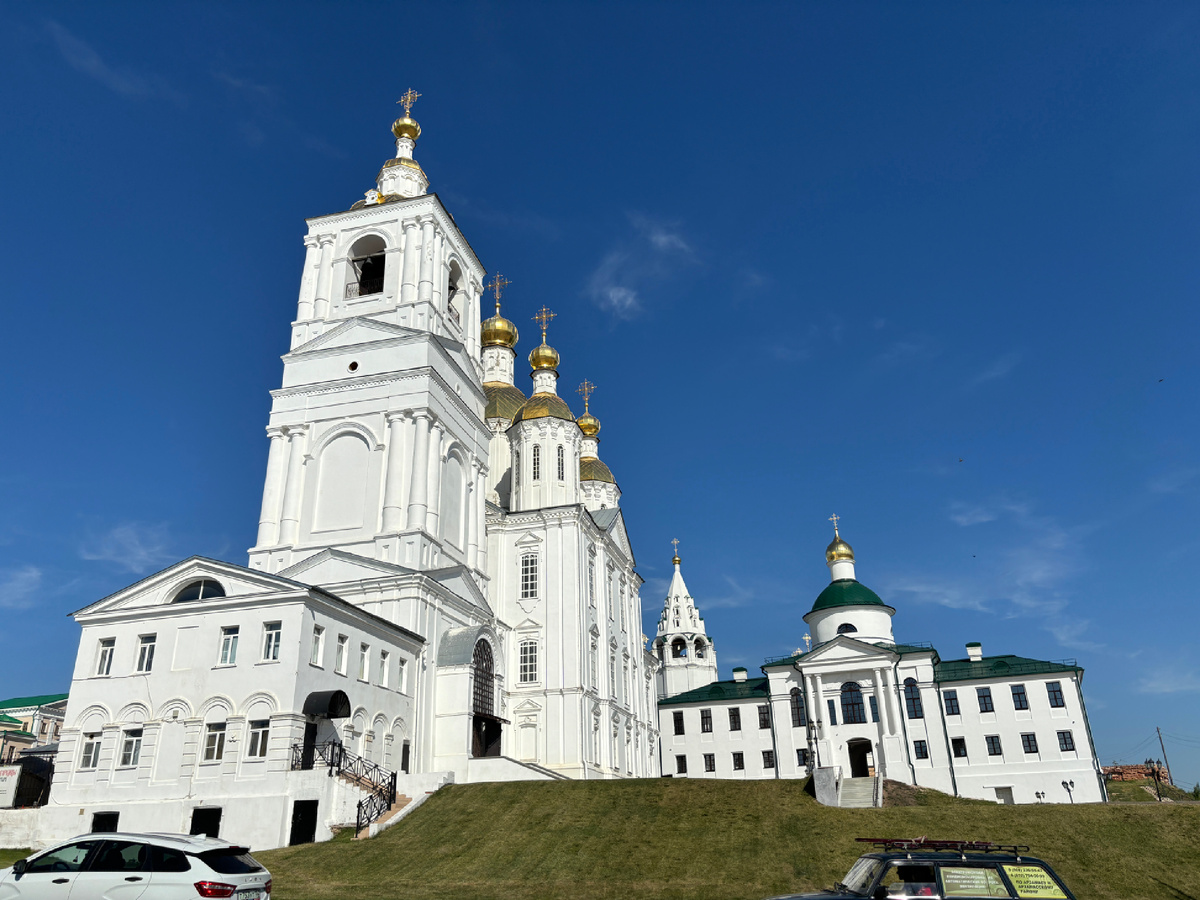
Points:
point(442, 587)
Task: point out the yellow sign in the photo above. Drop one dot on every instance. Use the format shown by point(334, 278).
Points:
point(972, 881)
point(1033, 881)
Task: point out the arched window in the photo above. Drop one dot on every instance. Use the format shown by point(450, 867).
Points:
point(204, 589)
point(455, 295)
point(699, 648)
point(366, 267)
point(847, 628)
point(912, 699)
point(485, 675)
point(452, 501)
point(852, 705)
point(799, 714)
point(562, 463)
point(516, 472)
point(679, 648)
point(537, 462)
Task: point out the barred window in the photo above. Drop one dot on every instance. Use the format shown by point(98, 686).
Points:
point(1054, 691)
point(1066, 741)
point(921, 749)
point(706, 721)
point(735, 719)
point(529, 576)
point(799, 718)
point(527, 670)
point(1029, 743)
point(802, 757)
point(1020, 700)
point(537, 462)
point(993, 745)
point(950, 698)
point(912, 699)
point(562, 464)
point(985, 699)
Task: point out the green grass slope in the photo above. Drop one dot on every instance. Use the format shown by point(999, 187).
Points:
point(681, 838)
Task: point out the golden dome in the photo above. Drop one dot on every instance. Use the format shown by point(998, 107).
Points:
point(499, 331)
point(503, 400)
point(543, 405)
point(544, 357)
point(406, 128)
point(589, 425)
point(838, 549)
point(591, 469)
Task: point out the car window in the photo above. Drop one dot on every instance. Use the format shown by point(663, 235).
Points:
point(230, 862)
point(910, 879)
point(65, 859)
point(167, 860)
point(861, 875)
point(121, 856)
point(1034, 882)
point(972, 881)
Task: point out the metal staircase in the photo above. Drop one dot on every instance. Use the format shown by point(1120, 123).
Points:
point(378, 782)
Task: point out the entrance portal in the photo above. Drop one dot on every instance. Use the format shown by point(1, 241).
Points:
point(860, 753)
point(485, 725)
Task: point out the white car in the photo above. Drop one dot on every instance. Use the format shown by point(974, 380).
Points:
point(120, 866)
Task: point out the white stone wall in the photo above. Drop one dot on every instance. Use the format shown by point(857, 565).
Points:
point(721, 742)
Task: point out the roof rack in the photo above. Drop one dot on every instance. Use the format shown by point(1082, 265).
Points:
point(962, 847)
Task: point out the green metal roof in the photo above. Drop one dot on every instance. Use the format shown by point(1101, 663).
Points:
point(750, 689)
point(847, 592)
point(24, 734)
point(41, 700)
point(9, 720)
point(992, 667)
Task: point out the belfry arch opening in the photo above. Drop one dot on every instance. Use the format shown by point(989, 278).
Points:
point(367, 259)
point(700, 646)
point(678, 648)
point(455, 294)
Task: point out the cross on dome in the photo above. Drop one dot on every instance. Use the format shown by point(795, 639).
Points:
point(409, 98)
point(675, 544)
point(543, 317)
point(834, 519)
point(586, 390)
point(497, 286)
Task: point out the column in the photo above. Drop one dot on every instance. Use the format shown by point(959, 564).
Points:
point(392, 264)
point(289, 525)
point(821, 713)
point(268, 519)
point(893, 704)
point(408, 277)
point(435, 477)
point(419, 484)
point(473, 490)
point(308, 282)
point(885, 711)
point(425, 288)
point(324, 276)
point(393, 488)
point(439, 270)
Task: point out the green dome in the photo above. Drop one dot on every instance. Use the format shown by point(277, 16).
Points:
point(847, 592)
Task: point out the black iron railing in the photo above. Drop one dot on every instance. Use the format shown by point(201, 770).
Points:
point(380, 783)
point(364, 288)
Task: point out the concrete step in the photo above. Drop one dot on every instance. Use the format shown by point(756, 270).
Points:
point(857, 793)
point(401, 802)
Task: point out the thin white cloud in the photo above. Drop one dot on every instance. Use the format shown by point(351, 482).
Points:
point(662, 237)
point(655, 252)
point(998, 369)
point(1173, 481)
point(245, 85)
point(917, 347)
point(964, 515)
point(84, 58)
point(605, 288)
point(19, 587)
point(1180, 679)
point(135, 547)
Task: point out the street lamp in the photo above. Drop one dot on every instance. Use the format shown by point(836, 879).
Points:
point(1153, 765)
point(1069, 786)
point(1041, 795)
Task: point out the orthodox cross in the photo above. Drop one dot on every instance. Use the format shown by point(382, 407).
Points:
point(543, 318)
point(409, 98)
point(807, 642)
point(586, 389)
point(834, 519)
point(675, 544)
point(499, 283)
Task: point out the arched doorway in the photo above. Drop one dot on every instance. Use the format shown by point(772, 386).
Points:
point(485, 725)
point(861, 758)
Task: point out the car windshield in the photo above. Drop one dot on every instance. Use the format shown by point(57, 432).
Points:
point(235, 861)
point(861, 876)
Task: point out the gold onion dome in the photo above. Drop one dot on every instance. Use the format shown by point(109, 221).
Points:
point(503, 400)
point(592, 469)
point(544, 357)
point(838, 549)
point(405, 127)
point(543, 405)
point(499, 331)
point(589, 425)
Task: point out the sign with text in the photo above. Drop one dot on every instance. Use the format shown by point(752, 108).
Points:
point(1033, 882)
point(972, 881)
point(9, 776)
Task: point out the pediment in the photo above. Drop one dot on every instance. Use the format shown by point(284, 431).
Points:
point(354, 333)
point(612, 521)
point(528, 539)
point(459, 581)
point(843, 650)
point(162, 587)
point(337, 566)
point(527, 706)
point(529, 625)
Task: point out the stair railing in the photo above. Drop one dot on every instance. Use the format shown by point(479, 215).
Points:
point(372, 777)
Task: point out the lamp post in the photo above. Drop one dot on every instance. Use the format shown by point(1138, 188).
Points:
point(1041, 796)
point(1153, 765)
point(1069, 786)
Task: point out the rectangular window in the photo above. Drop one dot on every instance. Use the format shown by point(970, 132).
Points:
point(959, 746)
point(622, 604)
point(385, 668)
point(317, 652)
point(229, 641)
point(764, 716)
point(537, 463)
point(592, 583)
point(710, 762)
point(985, 699)
point(528, 668)
point(145, 660)
point(768, 759)
point(131, 747)
point(1066, 741)
point(105, 655)
point(739, 761)
point(678, 718)
point(802, 757)
point(259, 730)
point(529, 576)
point(402, 676)
point(214, 743)
point(364, 661)
point(562, 464)
point(874, 709)
point(91, 751)
point(1054, 691)
point(706, 721)
point(950, 698)
point(1020, 700)
point(339, 659)
point(921, 749)
point(612, 675)
point(1029, 743)
point(272, 635)
point(993, 745)
point(608, 593)
point(799, 719)
point(735, 719)
point(832, 713)
point(681, 765)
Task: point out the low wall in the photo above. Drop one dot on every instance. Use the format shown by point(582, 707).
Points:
point(502, 768)
point(18, 828)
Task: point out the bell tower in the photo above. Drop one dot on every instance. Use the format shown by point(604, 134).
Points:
point(684, 649)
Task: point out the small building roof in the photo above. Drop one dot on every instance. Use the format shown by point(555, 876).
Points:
point(847, 592)
point(9, 720)
point(717, 691)
point(39, 700)
point(992, 667)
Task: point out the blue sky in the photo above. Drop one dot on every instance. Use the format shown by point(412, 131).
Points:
point(930, 267)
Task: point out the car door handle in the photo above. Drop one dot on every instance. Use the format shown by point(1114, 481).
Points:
point(134, 878)
point(60, 880)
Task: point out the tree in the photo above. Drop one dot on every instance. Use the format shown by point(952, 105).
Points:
point(1196, 792)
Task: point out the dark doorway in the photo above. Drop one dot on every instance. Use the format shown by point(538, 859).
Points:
point(104, 822)
point(485, 736)
point(404, 751)
point(206, 820)
point(859, 752)
point(485, 726)
point(304, 822)
point(309, 749)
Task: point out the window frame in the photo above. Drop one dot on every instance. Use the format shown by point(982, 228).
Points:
point(385, 668)
point(316, 651)
point(680, 763)
point(258, 733)
point(677, 721)
point(832, 711)
point(982, 694)
point(89, 755)
point(272, 640)
point(106, 648)
point(340, 656)
point(739, 761)
point(920, 749)
point(735, 718)
point(536, 465)
point(768, 757)
point(1066, 738)
point(131, 748)
point(214, 742)
point(950, 702)
point(799, 710)
point(364, 662)
point(956, 744)
point(401, 674)
point(710, 762)
point(229, 645)
point(1019, 697)
point(562, 464)
point(913, 706)
point(1029, 742)
point(854, 711)
point(145, 658)
point(706, 725)
point(995, 747)
point(764, 716)
point(1054, 692)
point(529, 576)
point(527, 662)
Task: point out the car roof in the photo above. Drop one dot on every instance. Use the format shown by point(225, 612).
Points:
point(188, 843)
point(952, 856)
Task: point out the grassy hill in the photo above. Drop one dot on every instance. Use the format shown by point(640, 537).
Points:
point(687, 838)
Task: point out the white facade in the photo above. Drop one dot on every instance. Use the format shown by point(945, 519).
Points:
point(390, 515)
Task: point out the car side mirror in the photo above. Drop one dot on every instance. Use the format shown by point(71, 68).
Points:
point(20, 866)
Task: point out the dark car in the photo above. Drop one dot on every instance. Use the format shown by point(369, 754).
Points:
point(963, 870)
